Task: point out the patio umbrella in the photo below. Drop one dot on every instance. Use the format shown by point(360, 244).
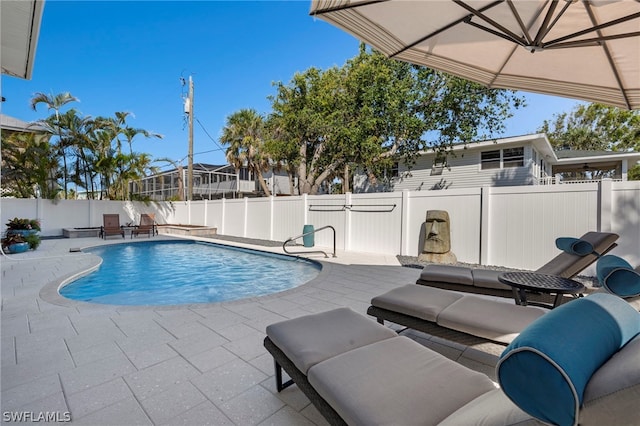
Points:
point(583, 49)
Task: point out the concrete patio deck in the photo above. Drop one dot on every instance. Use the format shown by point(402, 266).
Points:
point(192, 364)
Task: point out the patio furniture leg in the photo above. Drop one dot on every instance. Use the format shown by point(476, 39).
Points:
point(520, 296)
point(279, 385)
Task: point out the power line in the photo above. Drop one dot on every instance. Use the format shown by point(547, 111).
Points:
point(207, 133)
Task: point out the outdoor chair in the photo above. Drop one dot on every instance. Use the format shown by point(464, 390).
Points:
point(566, 264)
point(111, 226)
point(575, 365)
point(485, 324)
point(482, 323)
point(147, 226)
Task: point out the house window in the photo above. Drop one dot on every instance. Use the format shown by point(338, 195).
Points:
point(245, 174)
point(490, 160)
point(509, 157)
point(439, 163)
point(513, 157)
point(395, 170)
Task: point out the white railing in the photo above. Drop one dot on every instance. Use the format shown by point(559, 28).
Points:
point(552, 180)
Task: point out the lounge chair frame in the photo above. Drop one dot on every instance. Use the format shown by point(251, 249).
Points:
point(299, 378)
point(111, 226)
point(578, 266)
point(147, 226)
point(533, 298)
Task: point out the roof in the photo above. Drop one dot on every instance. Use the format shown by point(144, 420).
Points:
point(203, 167)
point(17, 125)
point(20, 28)
point(543, 146)
point(581, 153)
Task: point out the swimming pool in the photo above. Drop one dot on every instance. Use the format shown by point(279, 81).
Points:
point(180, 272)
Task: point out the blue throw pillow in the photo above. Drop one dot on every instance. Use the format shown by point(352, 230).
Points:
point(545, 370)
point(617, 276)
point(574, 246)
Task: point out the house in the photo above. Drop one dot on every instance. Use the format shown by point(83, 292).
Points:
point(209, 182)
point(519, 160)
point(9, 125)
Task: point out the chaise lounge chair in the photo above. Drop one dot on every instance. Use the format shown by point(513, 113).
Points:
point(485, 324)
point(147, 226)
point(484, 281)
point(482, 323)
point(585, 356)
point(111, 226)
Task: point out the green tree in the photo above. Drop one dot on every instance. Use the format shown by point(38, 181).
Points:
point(375, 110)
point(302, 113)
point(244, 133)
point(55, 103)
point(282, 150)
point(596, 127)
point(29, 166)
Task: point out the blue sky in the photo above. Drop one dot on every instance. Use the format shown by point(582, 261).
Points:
point(130, 56)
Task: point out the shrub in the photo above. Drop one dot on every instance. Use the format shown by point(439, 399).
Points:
point(21, 223)
point(33, 240)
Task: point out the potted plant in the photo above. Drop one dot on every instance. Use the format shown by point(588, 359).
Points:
point(23, 226)
point(15, 243)
point(27, 229)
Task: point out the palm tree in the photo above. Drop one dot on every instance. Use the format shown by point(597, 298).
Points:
point(131, 132)
point(29, 166)
point(243, 132)
point(55, 103)
point(76, 140)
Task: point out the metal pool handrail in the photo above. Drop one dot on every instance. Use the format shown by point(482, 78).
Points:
point(284, 246)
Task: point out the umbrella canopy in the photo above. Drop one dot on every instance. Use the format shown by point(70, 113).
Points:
point(583, 49)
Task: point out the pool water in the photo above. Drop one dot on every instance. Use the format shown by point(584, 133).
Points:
point(173, 273)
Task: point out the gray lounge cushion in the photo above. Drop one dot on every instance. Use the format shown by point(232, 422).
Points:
point(613, 392)
point(416, 301)
point(490, 319)
point(488, 278)
point(447, 274)
point(564, 265)
point(306, 349)
point(396, 382)
point(490, 409)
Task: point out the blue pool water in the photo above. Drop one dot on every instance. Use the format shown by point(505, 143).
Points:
point(173, 273)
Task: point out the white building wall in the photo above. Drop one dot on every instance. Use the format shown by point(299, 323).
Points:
point(463, 171)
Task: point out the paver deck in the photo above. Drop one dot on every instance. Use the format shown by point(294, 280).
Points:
point(192, 364)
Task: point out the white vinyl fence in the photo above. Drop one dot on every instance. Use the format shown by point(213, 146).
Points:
point(506, 226)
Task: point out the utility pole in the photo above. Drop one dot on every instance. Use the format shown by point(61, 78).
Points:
point(190, 155)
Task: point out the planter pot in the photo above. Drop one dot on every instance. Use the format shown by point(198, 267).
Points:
point(23, 232)
point(18, 248)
